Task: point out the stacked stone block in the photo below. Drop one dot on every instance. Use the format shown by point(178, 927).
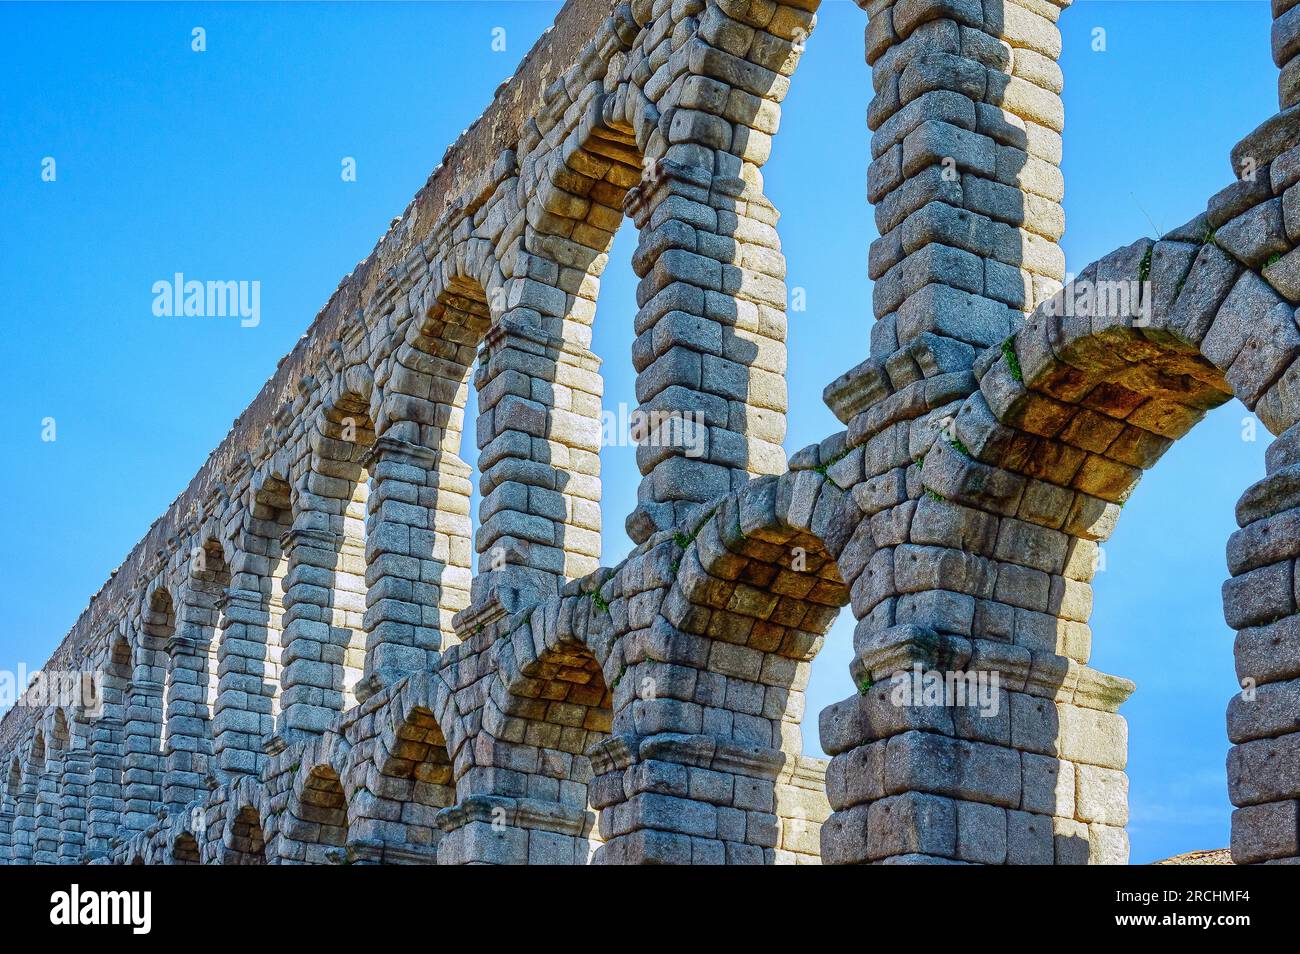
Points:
point(418, 528)
point(142, 765)
point(711, 324)
point(966, 145)
point(417, 553)
point(48, 759)
point(1286, 49)
point(105, 733)
point(74, 782)
point(539, 440)
point(325, 587)
point(192, 674)
point(251, 611)
point(24, 825)
point(8, 812)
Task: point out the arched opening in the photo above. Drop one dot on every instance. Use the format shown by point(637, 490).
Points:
point(245, 842)
point(210, 581)
point(346, 433)
point(413, 782)
point(1032, 473)
point(529, 775)
point(755, 588)
point(319, 825)
point(418, 536)
point(539, 384)
point(184, 850)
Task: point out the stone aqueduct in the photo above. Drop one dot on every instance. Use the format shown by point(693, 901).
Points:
point(298, 667)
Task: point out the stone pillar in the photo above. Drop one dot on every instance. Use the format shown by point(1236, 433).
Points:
point(7, 819)
point(502, 830)
point(187, 746)
point(312, 688)
point(243, 715)
point(1262, 778)
point(965, 178)
point(46, 846)
point(966, 145)
point(1286, 51)
point(73, 797)
point(142, 753)
point(711, 325)
point(24, 828)
point(539, 436)
point(417, 557)
point(674, 798)
point(104, 805)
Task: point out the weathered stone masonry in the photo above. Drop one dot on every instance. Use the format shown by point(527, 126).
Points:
point(299, 667)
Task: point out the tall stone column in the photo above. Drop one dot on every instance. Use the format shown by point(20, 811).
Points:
point(7, 819)
point(966, 125)
point(539, 437)
point(142, 764)
point(73, 797)
point(1262, 781)
point(966, 144)
point(1286, 51)
point(243, 714)
point(417, 556)
point(312, 691)
point(104, 804)
point(187, 746)
point(46, 846)
point(24, 828)
point(711, 325)
point(686, 799)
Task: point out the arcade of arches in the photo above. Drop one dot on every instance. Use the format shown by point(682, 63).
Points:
point(297, 665)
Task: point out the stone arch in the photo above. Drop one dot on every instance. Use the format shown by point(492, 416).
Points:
point(538, 381)
point(750, 588)
point(318, 817)
point(243, 839)
point(183, 849)
point(525, 783)
point(710, 351)
point(252, 621)
point(1010, 491)
point(1085, 397)
point(402, 767)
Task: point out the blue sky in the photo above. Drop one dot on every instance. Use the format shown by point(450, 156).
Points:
point(225, 164)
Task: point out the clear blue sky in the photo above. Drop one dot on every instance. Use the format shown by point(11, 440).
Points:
point(225, 164)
